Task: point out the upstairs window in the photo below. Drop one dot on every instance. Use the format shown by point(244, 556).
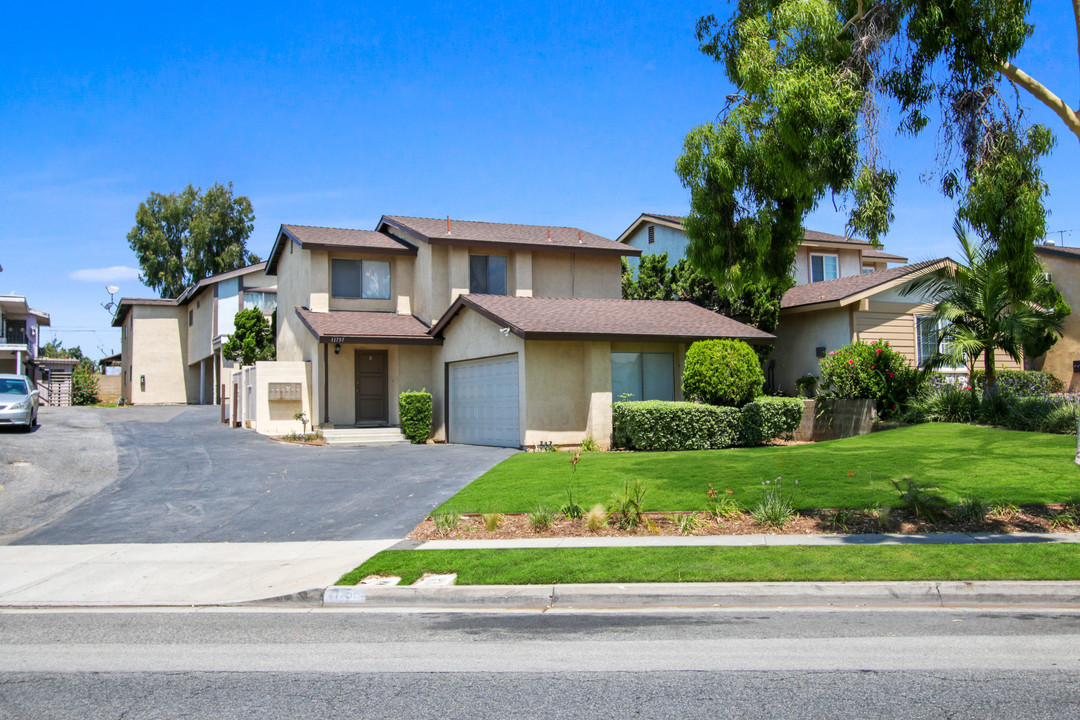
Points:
point(487, 274)
point(363, 279)
point(868, 269)
point(824, 267)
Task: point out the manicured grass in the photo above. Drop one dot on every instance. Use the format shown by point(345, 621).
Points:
point(1029, 561)
point(998, 465)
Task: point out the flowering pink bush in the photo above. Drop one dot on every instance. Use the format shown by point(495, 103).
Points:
point(870, 370)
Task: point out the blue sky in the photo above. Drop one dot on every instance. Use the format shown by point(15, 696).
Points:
point(334, 114)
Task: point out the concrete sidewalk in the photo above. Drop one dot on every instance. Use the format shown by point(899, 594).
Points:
point(745, 541)
point(172, 574)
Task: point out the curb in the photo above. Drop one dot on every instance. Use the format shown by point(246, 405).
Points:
point(713, 595)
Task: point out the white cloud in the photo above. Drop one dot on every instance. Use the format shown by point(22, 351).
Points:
point(116, 272)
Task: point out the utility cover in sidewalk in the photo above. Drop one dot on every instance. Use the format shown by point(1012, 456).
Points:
point(430, 580)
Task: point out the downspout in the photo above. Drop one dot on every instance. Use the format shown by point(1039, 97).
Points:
point(326, 382)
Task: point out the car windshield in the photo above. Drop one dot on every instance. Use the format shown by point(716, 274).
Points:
point(13, 387)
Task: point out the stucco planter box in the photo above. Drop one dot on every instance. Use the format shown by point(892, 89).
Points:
point(832, 419)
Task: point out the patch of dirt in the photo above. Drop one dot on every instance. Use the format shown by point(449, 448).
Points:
point(1037, 519)
point(311, 440)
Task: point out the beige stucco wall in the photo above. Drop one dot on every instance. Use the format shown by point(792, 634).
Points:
point(1065, 274)
point(158, 343)
point(576, 275)
point(850, 262)
point(470, 337)
point(798, 335)
point(200, 333)
point(408, 368)
point(294, 287)
point(276, 417)
point(125, 357)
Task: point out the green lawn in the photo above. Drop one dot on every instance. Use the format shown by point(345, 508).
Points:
point(999, 465)
point(1031, 561)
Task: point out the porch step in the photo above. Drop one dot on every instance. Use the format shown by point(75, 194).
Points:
point(352, 437)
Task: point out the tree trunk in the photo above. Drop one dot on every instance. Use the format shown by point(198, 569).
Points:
point(990, 378)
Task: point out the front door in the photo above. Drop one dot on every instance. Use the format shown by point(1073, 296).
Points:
point(371, 390)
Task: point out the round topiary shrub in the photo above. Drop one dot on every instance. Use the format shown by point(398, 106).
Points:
point(722, 372)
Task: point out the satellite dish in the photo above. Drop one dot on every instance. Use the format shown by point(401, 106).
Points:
point(112, 289)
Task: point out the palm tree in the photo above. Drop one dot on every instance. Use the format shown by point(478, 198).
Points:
point(980, 312)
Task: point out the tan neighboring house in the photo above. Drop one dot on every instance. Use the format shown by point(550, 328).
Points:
point(518, 331)
point(1063, 359)
point(171, 348)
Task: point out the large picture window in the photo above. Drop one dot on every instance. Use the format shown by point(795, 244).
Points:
point(824, 267)
point(487, 274)
point(642, 376)
point(366, 279)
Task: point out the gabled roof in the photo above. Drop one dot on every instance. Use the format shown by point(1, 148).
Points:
point(124, 307)
point(810, 237)
point(346, 326)
point(846, 290)
point(541, 318)
point(445, 231)
point(189, 294)
point(312, 237)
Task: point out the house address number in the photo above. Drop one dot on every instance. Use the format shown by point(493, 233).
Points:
point(336, 339)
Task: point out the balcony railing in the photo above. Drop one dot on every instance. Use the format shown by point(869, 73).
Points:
point(15, 335)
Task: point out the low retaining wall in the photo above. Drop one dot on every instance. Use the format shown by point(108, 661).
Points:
point(109, 389)
point(831, 419)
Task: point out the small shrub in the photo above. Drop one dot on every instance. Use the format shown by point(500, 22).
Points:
point(775, 508)
point(541, 518)
point(947, 402)
point(994, 410)
point(492, 521)
point(722, 505)
point(84, 385)
point(722, 372)
point(301, 418)
point(414, 408)
point(445, 522)
point(589, 444)
point(805, 386)
point(885, 517)
point(971, 509)
point(686, 522)
point(769, 417)
point(660, 425)
point(920, 499)
point(872, 371)
point(596, 518)
point(628, 505)
point(1021, 383)
point(841, 520)
point(1003, 509)
point(571, 509)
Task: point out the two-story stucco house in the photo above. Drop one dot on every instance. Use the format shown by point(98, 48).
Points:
point(519, 332)
point(844, 291)
point(1063, 358)
point(171, 348)
point(19, 334)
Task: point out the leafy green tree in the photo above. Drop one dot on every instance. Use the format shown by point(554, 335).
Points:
point(56, 349)
point(981, 312)
point(814, 81)
point(182, 238)
point(84, 384)
point(252, 339)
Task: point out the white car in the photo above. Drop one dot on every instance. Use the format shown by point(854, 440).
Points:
point(18, 401)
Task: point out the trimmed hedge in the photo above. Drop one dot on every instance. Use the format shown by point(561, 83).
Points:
point(768, 417)
point(722, 372)
point(415, 411)
point(1021, 383)
point(661, 425)
point(870, 371)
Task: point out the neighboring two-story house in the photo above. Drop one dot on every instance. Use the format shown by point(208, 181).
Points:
point(19, 334)
point(1063, 358)
point(519, 332)
point(171, 348)
point(844, 291)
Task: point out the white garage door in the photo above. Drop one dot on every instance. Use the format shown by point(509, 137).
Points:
point(484, 402)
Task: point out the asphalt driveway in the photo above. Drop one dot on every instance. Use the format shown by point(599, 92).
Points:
point(176, 474)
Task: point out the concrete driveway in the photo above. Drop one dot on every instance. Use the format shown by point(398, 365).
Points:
point(177, 475)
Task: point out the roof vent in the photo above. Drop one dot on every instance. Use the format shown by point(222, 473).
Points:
point(1049, 242)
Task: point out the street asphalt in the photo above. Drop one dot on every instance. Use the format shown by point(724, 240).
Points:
point(175, 474)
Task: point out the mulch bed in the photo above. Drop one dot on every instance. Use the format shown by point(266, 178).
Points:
point(1037, 519)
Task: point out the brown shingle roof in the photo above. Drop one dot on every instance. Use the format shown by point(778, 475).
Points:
point(342, 239)
point(845, 287)
point(505, 235)
point(1069, 252)
point(365, 327)
point(808, 235)
point(872, 254)
point(188, 295)
point(540, 318)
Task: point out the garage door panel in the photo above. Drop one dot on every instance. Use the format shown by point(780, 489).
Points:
point(484, 402)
